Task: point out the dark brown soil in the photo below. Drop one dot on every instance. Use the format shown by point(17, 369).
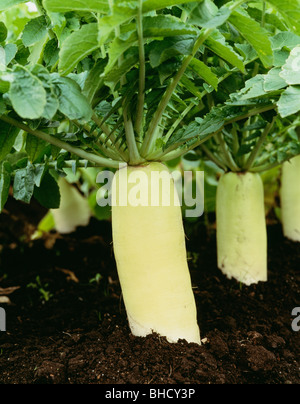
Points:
point(80, 335)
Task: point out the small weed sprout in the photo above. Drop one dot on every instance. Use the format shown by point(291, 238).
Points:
point(97, 279)
point(45, 295)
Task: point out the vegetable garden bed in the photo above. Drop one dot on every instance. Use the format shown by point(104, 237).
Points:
point(128, 94)
point(81, 334)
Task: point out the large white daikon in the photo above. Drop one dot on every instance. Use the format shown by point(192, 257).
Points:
point(149, 246)
point(241, 227)
point(290, 198)
point(74, 210)
point(243, 153)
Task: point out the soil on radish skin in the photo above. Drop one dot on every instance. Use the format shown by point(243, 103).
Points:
point(80, 335)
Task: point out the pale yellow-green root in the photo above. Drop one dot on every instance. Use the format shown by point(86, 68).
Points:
point(150, 251)
point(241, 228)
point(74, 210)
point(290, 199)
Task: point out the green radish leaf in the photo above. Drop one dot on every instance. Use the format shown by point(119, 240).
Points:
point(94, 80)
point(3, 32)
point(77, 46)
point(290, 11)
point(9, 3)
point(204, 128)
point(34, 147)
point(291, 70)
point(36, 51)
point(39, 171)
point(285, 39)
point(166, 70)
point(246, 51)
point(166, 26)
point(192, 156)
point(270, 18)
point(34, 31)
point(124, 11)
point(2, 104)
point(195, 129)
point(79, 78)
point(121, 11)
point(52, 103)
point(151, 5)
point(2, 59)
point(153, 27)
point(191, 87)
point(23, 186)
point(51, 53)
point(117, 49)
point(58, 6)
point(280, 57)
point(102, 6)
point(273, 81)
point(204, 72)
point(72, 102)
point(116, 73)
point(27, 94)
point(253, 88)
point(281, 42)
point(207, 15)
point(17, 160)
point(289, 102)
point(245, 149)
point(8, 135)
point(217, 44)
point(254, 34)
point(259, 124)
point(5, 175)
point(23, 54)
point(48, 194)
point(160, 51)
point(10, 52)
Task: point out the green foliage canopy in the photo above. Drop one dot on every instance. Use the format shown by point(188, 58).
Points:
point(99, 83)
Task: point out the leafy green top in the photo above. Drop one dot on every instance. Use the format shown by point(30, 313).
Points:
point(89, 82)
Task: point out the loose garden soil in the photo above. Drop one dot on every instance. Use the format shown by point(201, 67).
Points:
point(80, 334)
